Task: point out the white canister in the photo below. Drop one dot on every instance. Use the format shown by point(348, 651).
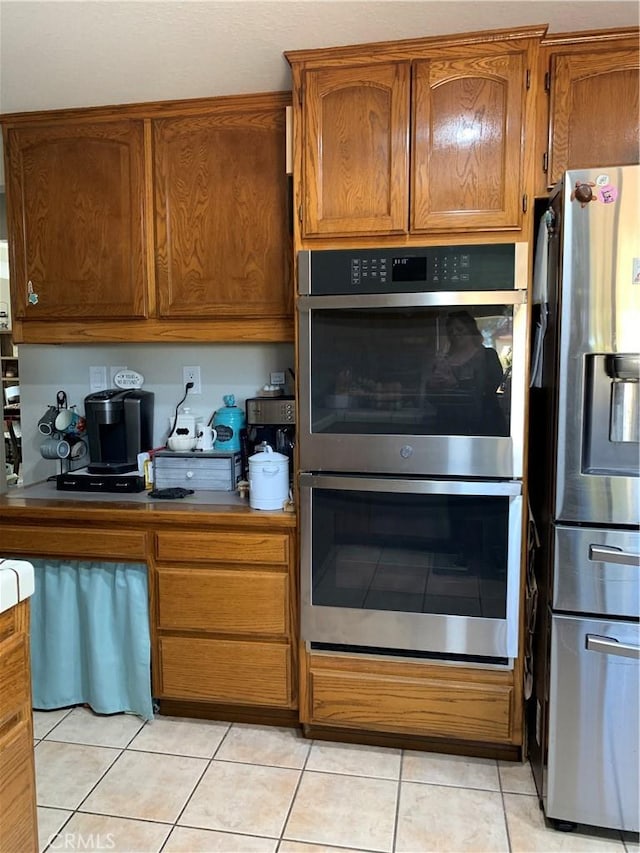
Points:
point(268, 479)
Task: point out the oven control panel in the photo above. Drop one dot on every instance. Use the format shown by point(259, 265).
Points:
point(271, 410)
point(412, 269)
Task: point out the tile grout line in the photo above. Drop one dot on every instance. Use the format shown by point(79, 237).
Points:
point(195, 787)
point(504, 808)
point(394, 840)
point(295, 794)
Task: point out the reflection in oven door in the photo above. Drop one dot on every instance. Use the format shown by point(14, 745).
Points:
point(410, 564)
point(413, 384)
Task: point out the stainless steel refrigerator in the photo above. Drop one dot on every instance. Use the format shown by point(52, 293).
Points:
point(585, 495)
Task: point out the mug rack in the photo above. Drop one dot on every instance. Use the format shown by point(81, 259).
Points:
point(63, 439)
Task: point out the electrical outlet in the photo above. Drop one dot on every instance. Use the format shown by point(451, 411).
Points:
point(192, 374)
point(277, 377)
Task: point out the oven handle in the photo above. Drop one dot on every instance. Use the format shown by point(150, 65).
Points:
point(414, 300)
point(406, 485)
point(607, 646)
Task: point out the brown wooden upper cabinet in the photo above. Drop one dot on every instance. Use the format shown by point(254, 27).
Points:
point(467, 163)
point(592, 112)
point(223, 247)
point(145, 222)
point(76, 220)
point(356, 149)
point(411, 137)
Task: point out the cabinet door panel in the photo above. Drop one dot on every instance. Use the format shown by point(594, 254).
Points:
point(467, 162)
point(76, 216)
point(594, 111)
point(18, 814)
point(223, 244)
point(14, 678)
point(356, 150)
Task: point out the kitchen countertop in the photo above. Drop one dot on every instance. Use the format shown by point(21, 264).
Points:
point(134, 508)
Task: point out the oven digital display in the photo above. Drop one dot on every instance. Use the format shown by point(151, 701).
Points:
point(409, 269)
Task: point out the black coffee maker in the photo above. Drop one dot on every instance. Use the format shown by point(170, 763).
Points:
point(119, 427)
point(272, 420)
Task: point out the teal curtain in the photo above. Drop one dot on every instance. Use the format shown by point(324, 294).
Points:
point(90, 640)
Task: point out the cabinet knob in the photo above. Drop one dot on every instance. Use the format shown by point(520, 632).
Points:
point(32, 296)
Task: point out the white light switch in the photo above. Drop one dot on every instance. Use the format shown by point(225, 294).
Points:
point(98, 378)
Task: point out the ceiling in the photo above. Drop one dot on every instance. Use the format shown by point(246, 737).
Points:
point(73, 53)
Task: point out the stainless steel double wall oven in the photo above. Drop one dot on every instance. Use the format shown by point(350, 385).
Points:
point(411, 421)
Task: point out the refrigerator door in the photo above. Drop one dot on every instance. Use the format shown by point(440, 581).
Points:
point(593, 764)
point(597, 571)
point(598, 362)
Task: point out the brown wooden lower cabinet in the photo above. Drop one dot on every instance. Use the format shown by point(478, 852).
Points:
point(226, 621)
point(18, 815)
point(407, 698)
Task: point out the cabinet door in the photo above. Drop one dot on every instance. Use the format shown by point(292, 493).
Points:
point(76, 216)
point(223, 247)
point(467, 143)
point(594, 111)
point(355, 172)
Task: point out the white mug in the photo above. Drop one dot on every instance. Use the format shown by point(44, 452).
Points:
point(206, 436)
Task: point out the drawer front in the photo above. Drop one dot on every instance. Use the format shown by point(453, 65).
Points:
point(14, 676)
point(80, 542)
point(195, 478)
point(224, 602)
point(430, 708)
point(239, 547)
point(226, 671)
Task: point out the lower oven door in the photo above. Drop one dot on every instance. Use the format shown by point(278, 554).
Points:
point(411, 565)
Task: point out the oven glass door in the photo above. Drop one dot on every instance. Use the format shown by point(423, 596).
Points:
point(411, 565)
point(441, 375)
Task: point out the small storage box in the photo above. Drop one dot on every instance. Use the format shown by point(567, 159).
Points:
point(197, 470)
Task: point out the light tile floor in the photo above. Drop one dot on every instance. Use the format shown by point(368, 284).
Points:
point(182, 786)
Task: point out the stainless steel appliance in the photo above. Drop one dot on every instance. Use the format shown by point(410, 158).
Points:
point(413, 565)
point(272, 420)
point(586, 498)
point(412, 367)
point(375, 342)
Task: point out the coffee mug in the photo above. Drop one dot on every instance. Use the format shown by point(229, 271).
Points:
point(46, 424)
point(206, 436)
point(55, 448)
point(69, 421)
point(77, 447)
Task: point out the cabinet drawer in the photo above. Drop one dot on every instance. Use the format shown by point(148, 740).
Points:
point(14, 676)
point(236, 547)
point(227, 602)
point(226, 671)
point(427, 707)
point(75, 541)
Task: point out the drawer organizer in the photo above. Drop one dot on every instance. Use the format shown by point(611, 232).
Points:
point(197, 470)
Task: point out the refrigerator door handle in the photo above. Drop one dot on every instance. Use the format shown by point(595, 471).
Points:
point(608, 646)
point(607, 554)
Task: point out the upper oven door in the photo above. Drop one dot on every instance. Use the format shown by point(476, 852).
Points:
point(428, 383)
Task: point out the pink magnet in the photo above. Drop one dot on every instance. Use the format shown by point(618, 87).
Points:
point(607, 194)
